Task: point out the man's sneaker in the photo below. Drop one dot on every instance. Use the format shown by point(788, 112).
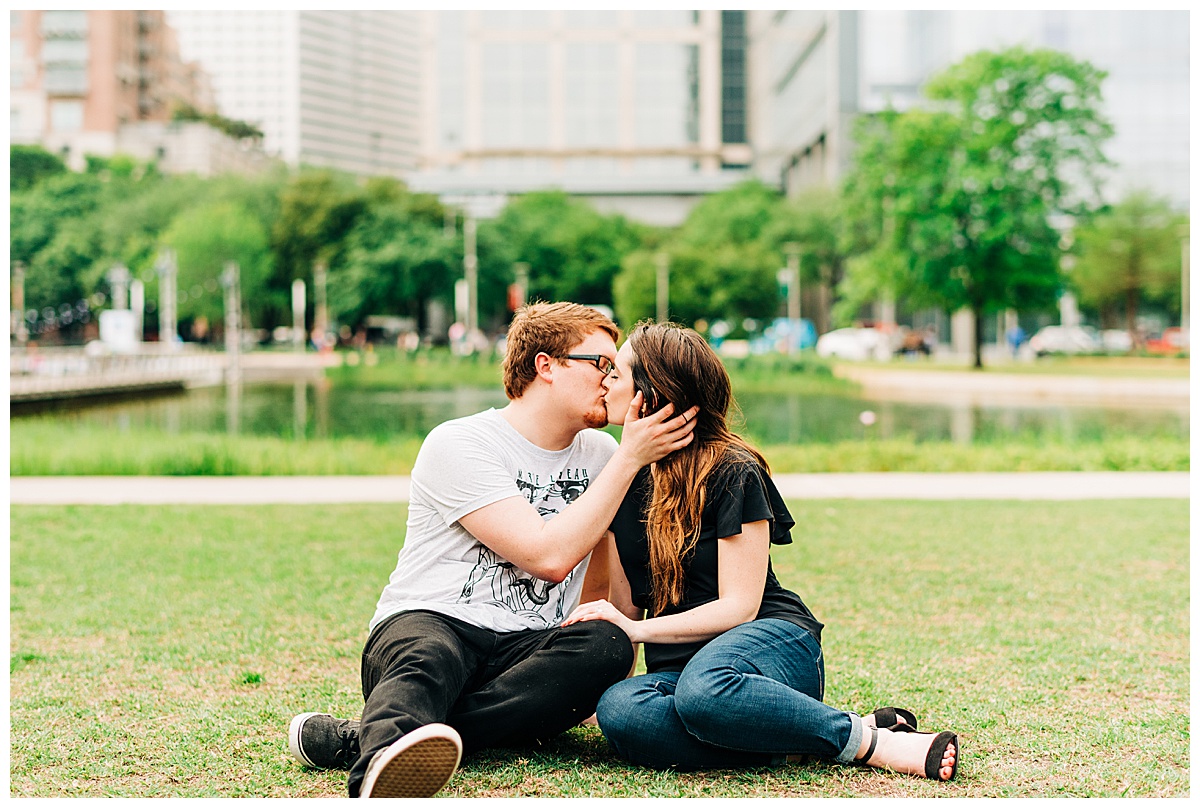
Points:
point(417, 765)
point(322, 741)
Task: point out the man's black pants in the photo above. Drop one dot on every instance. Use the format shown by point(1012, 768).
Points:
point(496, 689)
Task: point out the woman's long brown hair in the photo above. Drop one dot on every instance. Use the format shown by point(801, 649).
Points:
point(674, 364)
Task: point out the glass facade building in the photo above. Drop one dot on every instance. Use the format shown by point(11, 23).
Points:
point(817, 69)
point(599, 103)
point(327, 88)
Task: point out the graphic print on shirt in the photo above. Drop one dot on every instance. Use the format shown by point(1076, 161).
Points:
point(494, 580)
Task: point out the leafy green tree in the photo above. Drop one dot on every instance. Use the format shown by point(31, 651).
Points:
point(1128, 254)
point(28, 165)
point(813, 221)
point(130, 228)
point(391, 191)
point(738, 215)
point(722, 262)
point(397, 258)
point(49, 233)
point(57, 275)
point(730, 282)
point(204, 237)
point(317, 211)
point(573, 251)
point(959, 203)
point(497, 258)
point(396, 262)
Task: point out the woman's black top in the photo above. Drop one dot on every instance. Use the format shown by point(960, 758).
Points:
point(738, 491)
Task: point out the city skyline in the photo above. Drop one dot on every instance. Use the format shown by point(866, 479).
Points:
point(335, 89)
point(640, 112)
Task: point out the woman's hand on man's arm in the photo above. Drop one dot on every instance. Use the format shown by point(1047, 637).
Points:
point(742, 574)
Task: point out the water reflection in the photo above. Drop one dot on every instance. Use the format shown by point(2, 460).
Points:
point(299, 408)
point(318, 409)
point(962, 423)
point(233, 398)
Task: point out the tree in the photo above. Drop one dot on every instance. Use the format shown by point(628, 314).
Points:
point(813, 221)
point(1129, 253)
point(722, 262)
point(49, 233)
point(317, 211)
point(958, 204)
point(204, 237)
point(28, 165)
point(573, 251)
point(129, 226)
point(397, 257)
point(396, 262)
point(57, 277)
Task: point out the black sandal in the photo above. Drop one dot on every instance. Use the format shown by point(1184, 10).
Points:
point(933, 758)
point(889, 718)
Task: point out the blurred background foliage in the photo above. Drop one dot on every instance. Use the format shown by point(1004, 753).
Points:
point(973, 201)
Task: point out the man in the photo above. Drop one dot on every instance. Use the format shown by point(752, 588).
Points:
point(466, 648)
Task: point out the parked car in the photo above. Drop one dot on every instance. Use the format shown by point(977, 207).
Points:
point(780, 333)
point(1075, 339)
point(854, 344)
point(1116, 340)
point(1173, 340)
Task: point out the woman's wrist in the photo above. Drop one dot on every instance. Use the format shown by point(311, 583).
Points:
point(625, 461)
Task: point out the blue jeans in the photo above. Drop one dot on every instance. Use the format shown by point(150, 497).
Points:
point(749, 698)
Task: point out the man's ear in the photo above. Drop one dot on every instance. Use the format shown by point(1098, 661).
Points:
point(543, 364)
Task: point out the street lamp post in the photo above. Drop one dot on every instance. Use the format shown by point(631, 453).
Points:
point(471, 274)
point(167, 327)
point(321, 314)
point(299, 303)
point(662, 285)
point(233, 319)
point(792, 249)
point(521, 271)
point(118, 279)
point(20, 329)
point(137, 302)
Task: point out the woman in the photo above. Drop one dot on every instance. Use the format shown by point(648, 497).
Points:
point(735, 674)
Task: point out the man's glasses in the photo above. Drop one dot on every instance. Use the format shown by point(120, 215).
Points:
point(602, 363)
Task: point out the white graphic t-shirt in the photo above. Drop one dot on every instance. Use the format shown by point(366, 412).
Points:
point(462, 466)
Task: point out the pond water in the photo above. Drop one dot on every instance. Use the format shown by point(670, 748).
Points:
point(319, 409)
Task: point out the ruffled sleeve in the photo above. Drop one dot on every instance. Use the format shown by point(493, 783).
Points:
point(743, 492)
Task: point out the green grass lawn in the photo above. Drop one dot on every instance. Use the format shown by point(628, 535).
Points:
point(162, 651)
point(52, 448)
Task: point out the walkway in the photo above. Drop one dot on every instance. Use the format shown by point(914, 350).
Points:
point(53, 374)
point(324, 490)
point(993, 387)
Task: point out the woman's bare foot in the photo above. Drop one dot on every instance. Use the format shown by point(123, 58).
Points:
point(905, 752)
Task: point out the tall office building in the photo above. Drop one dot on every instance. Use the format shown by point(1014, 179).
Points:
point(77, 78)
point(335, 89)
point(815, 70)
point(641, 112)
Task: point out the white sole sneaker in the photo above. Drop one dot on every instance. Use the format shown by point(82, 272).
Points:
point(294, 738)
point(418, 765)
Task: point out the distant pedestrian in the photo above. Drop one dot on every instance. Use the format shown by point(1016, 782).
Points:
point(1015, 336)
